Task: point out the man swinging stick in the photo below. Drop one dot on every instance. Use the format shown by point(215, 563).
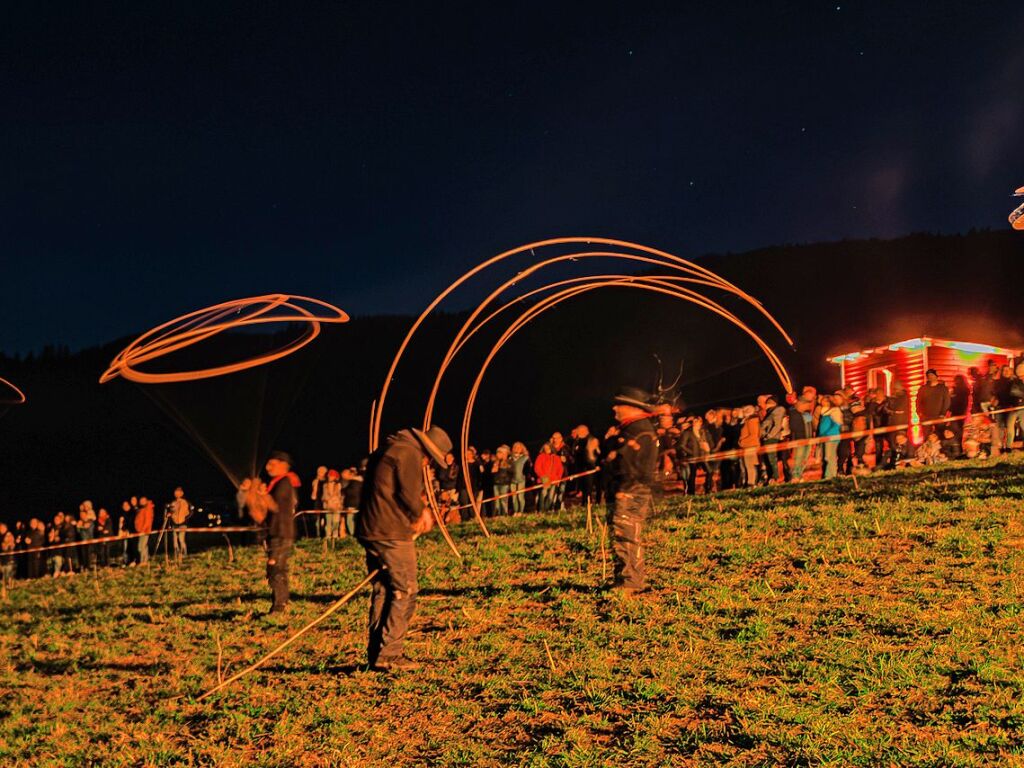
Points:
point(392, 514)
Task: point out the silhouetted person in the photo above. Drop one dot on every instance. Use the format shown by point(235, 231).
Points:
point(391, 516)
point(282, 490)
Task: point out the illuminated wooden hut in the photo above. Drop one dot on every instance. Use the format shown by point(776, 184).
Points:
point(907, 361)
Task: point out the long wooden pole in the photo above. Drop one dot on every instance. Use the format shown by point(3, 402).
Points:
point(264, 659)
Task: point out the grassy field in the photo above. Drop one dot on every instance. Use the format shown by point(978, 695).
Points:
point(803, 625)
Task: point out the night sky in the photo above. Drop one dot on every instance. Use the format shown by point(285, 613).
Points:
point(155, 161)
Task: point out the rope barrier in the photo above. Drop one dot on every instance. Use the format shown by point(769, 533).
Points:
point(810, 441)
point(123, 537)
point(559, 481)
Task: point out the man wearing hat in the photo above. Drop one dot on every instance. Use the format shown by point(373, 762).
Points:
point(391, 515)
point(636, 458)
point(280, 525)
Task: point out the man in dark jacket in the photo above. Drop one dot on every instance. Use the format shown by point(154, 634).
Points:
point(391, 515)
point(932, 401)
point(801, 427)
point(280, 526)
point(636, 458)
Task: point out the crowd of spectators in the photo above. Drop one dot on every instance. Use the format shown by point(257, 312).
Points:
point(807, 435)
point(73, 542)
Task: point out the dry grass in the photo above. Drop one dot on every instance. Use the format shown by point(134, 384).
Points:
point(803, 625)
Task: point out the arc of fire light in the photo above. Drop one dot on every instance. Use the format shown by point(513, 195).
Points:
point(688, 273)
point(19, 396)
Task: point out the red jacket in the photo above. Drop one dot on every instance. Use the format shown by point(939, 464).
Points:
point(144, 519)
point(550, 466)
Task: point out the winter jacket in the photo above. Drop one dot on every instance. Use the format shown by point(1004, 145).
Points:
point(636, 456)
point(773, 425)
point(750, 436)
point(932, 401)
point(392, 498)
point(898, 406)
point(144, 519)
point(831, 422)
point(352, 492)
point(502, 472)
point(690, 444)
point(547, 466)
point(281, 522)
point(800, 428)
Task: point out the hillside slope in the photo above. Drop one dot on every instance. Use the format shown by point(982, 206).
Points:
point(799, 625)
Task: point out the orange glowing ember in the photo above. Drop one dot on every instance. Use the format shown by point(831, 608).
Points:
point(12, 397)
point(202, 324)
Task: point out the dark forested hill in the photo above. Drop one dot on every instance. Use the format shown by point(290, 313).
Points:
point(75, 439)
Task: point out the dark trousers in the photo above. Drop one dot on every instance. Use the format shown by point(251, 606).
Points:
point(278, 553)
point(770, 460)
point(626, 519)
point(393, 599)
point(691, 481)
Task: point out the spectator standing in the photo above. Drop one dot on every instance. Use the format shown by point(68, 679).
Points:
point(485, 481)
point(502, 473)
point(69, 535)
point(316, 496)
point(333, 502)
point(877, 412)
point(283, 490)
point(898, 408)
point(959, 402)
point(7, 564)
point(801, 427)
point(144, 526)
point(87, 532)
point(520, 462)
point(981, 383)
point(352, 492)
point(448, 481)
point(695, 445)
point(35, 538)
point(772, 428)
point(549, 469)
point(830, 425)
point(932, 401)
point(563, 451)
point(749, 443)
point(730, 472)
point(55, 558)
point(104, 530)
point(179, 512)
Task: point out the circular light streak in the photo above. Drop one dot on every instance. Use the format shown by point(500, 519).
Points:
point(198, 326)
point(686, 276)
point(660, 285)
point(10, 394)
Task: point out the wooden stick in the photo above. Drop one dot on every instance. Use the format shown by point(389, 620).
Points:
point(551, 659)
point(590, 517)
point(264, 659)
point(220, 656)
point(231, 552)
point(604, 556)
